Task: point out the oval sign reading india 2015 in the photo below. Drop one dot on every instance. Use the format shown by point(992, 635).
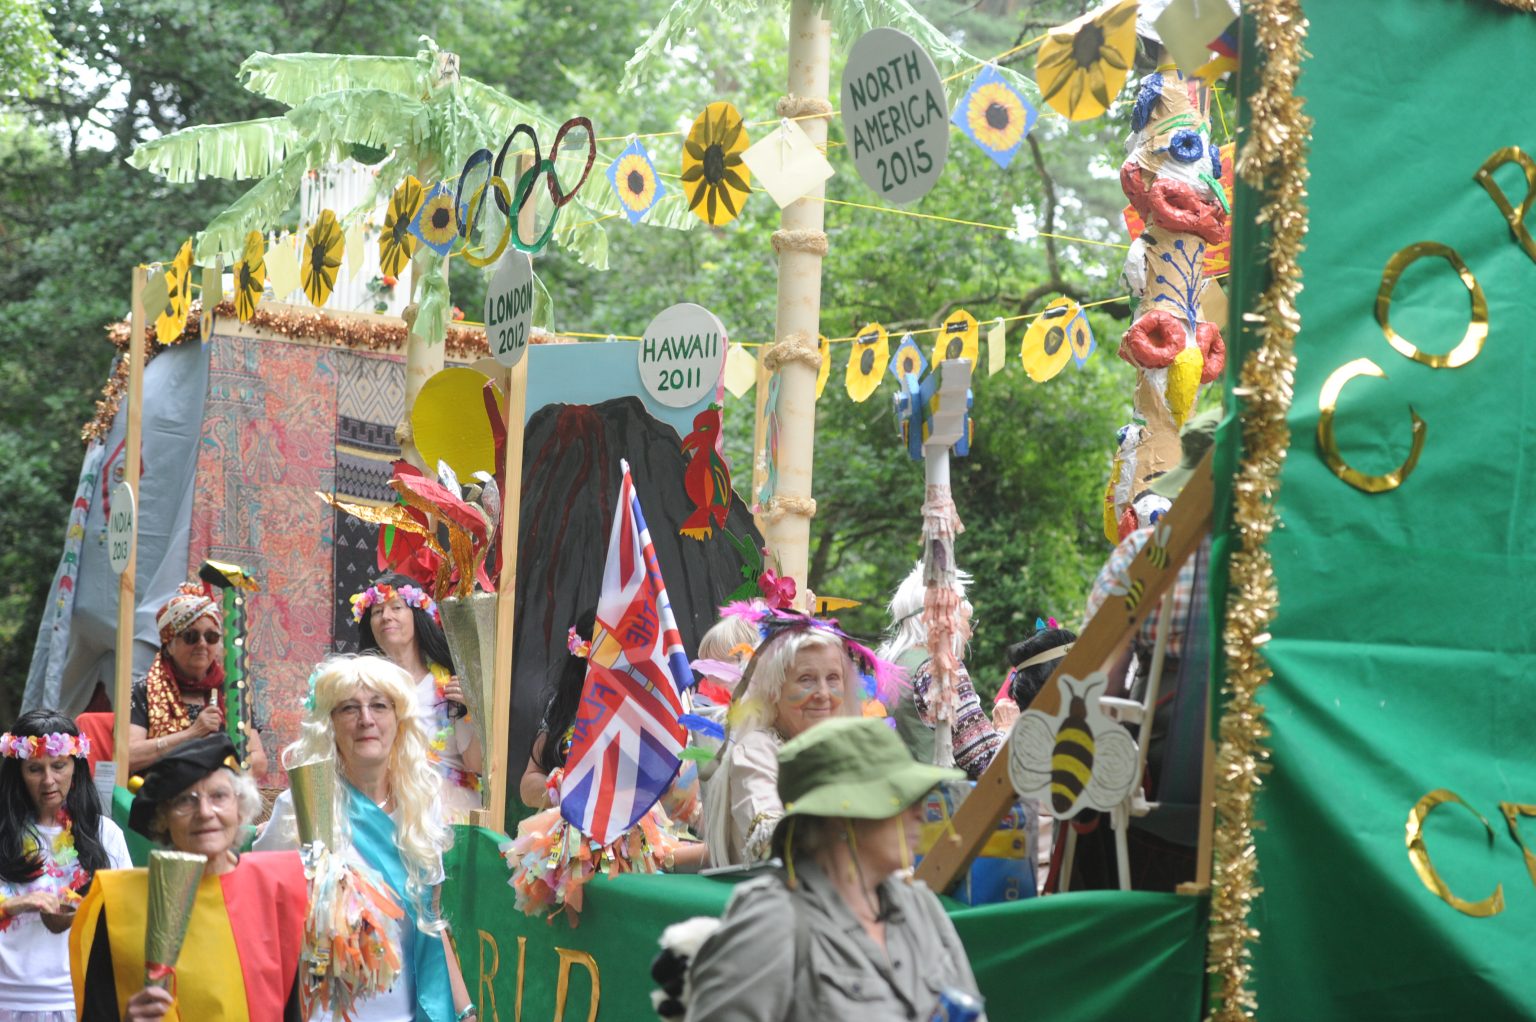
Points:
point(681, 354)
point(509, 308)
point(895, 116)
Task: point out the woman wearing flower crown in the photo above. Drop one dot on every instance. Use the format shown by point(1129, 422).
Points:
point(53, 840)
point(396, 616)
point(181, 698)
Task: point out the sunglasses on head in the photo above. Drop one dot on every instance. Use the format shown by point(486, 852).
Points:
point(191, 636)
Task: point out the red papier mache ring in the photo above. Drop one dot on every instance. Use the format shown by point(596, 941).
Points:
point(1154, 340)
point(1208, 336)
point(1174, 206)
point(1134, 187)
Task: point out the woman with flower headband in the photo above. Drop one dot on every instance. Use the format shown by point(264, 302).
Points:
point(181, 698)
point(804, 671)
point(396, 616)
point(53, 840)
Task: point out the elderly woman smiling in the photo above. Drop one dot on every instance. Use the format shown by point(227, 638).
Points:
point(246, 927)
point(804, 672)
point(362, 710)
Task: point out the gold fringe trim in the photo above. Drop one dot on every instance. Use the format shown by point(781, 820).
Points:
point(1274, 158)
point(373, 333)
point(1528, 6)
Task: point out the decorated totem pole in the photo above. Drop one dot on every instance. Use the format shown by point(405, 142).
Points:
point(1172, 178)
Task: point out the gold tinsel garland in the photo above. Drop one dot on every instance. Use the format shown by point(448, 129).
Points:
point(463, 343)
point(1274, 160)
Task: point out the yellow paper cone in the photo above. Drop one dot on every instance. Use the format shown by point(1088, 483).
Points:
point(1184, 383)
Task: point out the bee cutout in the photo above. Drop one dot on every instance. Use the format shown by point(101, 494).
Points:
point(1157, 546)
point(824, 349)
point(1045, 350)
point(1078, 759)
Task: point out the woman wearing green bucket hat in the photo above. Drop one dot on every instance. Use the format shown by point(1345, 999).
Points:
point(841, 931)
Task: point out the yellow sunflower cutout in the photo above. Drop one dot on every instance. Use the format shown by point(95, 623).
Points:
point(995, 116)
point(250, 276)
point(171, 320)
point(959, 337)
point(434, 224)
point(1084, 63)
point(866, 364)
point(397, 244)
point(825, 348)
point(715, 179)
point(633, 178)
point(322, 257)
point(1046, 350)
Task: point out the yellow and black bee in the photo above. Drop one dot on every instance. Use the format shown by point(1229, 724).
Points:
point(1157, 546)
point(867, 361)
point(1080, 758)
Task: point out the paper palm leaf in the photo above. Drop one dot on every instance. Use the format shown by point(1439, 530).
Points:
point(295, 78)
point(243, 149)
point(371, 117)
point(256, 210)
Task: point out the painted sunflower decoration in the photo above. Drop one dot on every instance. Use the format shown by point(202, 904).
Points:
point(995, 116)
point(172, 319)
point(871, 352)
point(1046, 347)
point(959, 337)
point(715, 178)
point(634, 181)
point(1084, 63)
point(824, 347)
point(396, 242)
point(322, 258)
point(434, 224)
point(908, 361)
point(250, 276)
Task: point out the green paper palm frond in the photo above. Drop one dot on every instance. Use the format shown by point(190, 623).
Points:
point(295, 78)
point(258, 209)
point(370, 117)
point(244, 149)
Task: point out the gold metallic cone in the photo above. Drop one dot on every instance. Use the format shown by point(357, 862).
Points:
point(314, 801)
point(173, 880)
point(470, 624)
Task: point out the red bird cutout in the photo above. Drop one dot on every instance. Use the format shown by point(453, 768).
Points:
point(707, 479)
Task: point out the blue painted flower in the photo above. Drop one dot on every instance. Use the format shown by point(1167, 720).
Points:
point(1186, 146)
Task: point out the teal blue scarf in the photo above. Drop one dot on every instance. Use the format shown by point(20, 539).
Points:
point(373, 836)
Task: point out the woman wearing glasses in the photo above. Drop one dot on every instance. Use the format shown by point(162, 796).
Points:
point(362, 712)
point(181, 698)
point(240, 958)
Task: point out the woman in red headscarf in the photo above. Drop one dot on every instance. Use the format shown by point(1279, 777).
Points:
point(181, 698)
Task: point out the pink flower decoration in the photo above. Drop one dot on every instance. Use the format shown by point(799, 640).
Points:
point(778, 593)
point(59, 744)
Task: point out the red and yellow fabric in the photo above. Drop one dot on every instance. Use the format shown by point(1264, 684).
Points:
point(240, 975)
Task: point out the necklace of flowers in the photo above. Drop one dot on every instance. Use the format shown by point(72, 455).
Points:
point(63, 855)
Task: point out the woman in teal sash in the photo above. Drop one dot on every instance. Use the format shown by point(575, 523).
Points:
point(362, 710)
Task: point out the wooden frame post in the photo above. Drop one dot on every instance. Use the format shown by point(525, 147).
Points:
point(516, 405)
point(122, 677)
point(1189, 520)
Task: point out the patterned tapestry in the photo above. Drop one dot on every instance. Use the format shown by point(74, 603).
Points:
point(267, 446)
point(370, 392)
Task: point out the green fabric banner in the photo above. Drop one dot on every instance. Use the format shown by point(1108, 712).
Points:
point(1088, 955)
point(1403, 647)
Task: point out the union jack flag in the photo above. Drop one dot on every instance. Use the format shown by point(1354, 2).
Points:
point(627, 736)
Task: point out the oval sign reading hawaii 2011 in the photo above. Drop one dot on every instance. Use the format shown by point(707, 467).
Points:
point(681, 354)
point(895, 116)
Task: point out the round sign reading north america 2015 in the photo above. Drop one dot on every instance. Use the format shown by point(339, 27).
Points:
point(895, 116)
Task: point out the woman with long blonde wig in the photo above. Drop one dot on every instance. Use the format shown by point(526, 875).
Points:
point(362, 711)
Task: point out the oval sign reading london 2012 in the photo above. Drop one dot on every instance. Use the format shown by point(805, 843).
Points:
point(509, 308)
point(895, 116)
point(681, 354)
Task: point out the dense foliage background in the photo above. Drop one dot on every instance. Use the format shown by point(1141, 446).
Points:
point(74, 219)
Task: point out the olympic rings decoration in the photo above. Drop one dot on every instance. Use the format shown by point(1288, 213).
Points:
point(510, 201)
